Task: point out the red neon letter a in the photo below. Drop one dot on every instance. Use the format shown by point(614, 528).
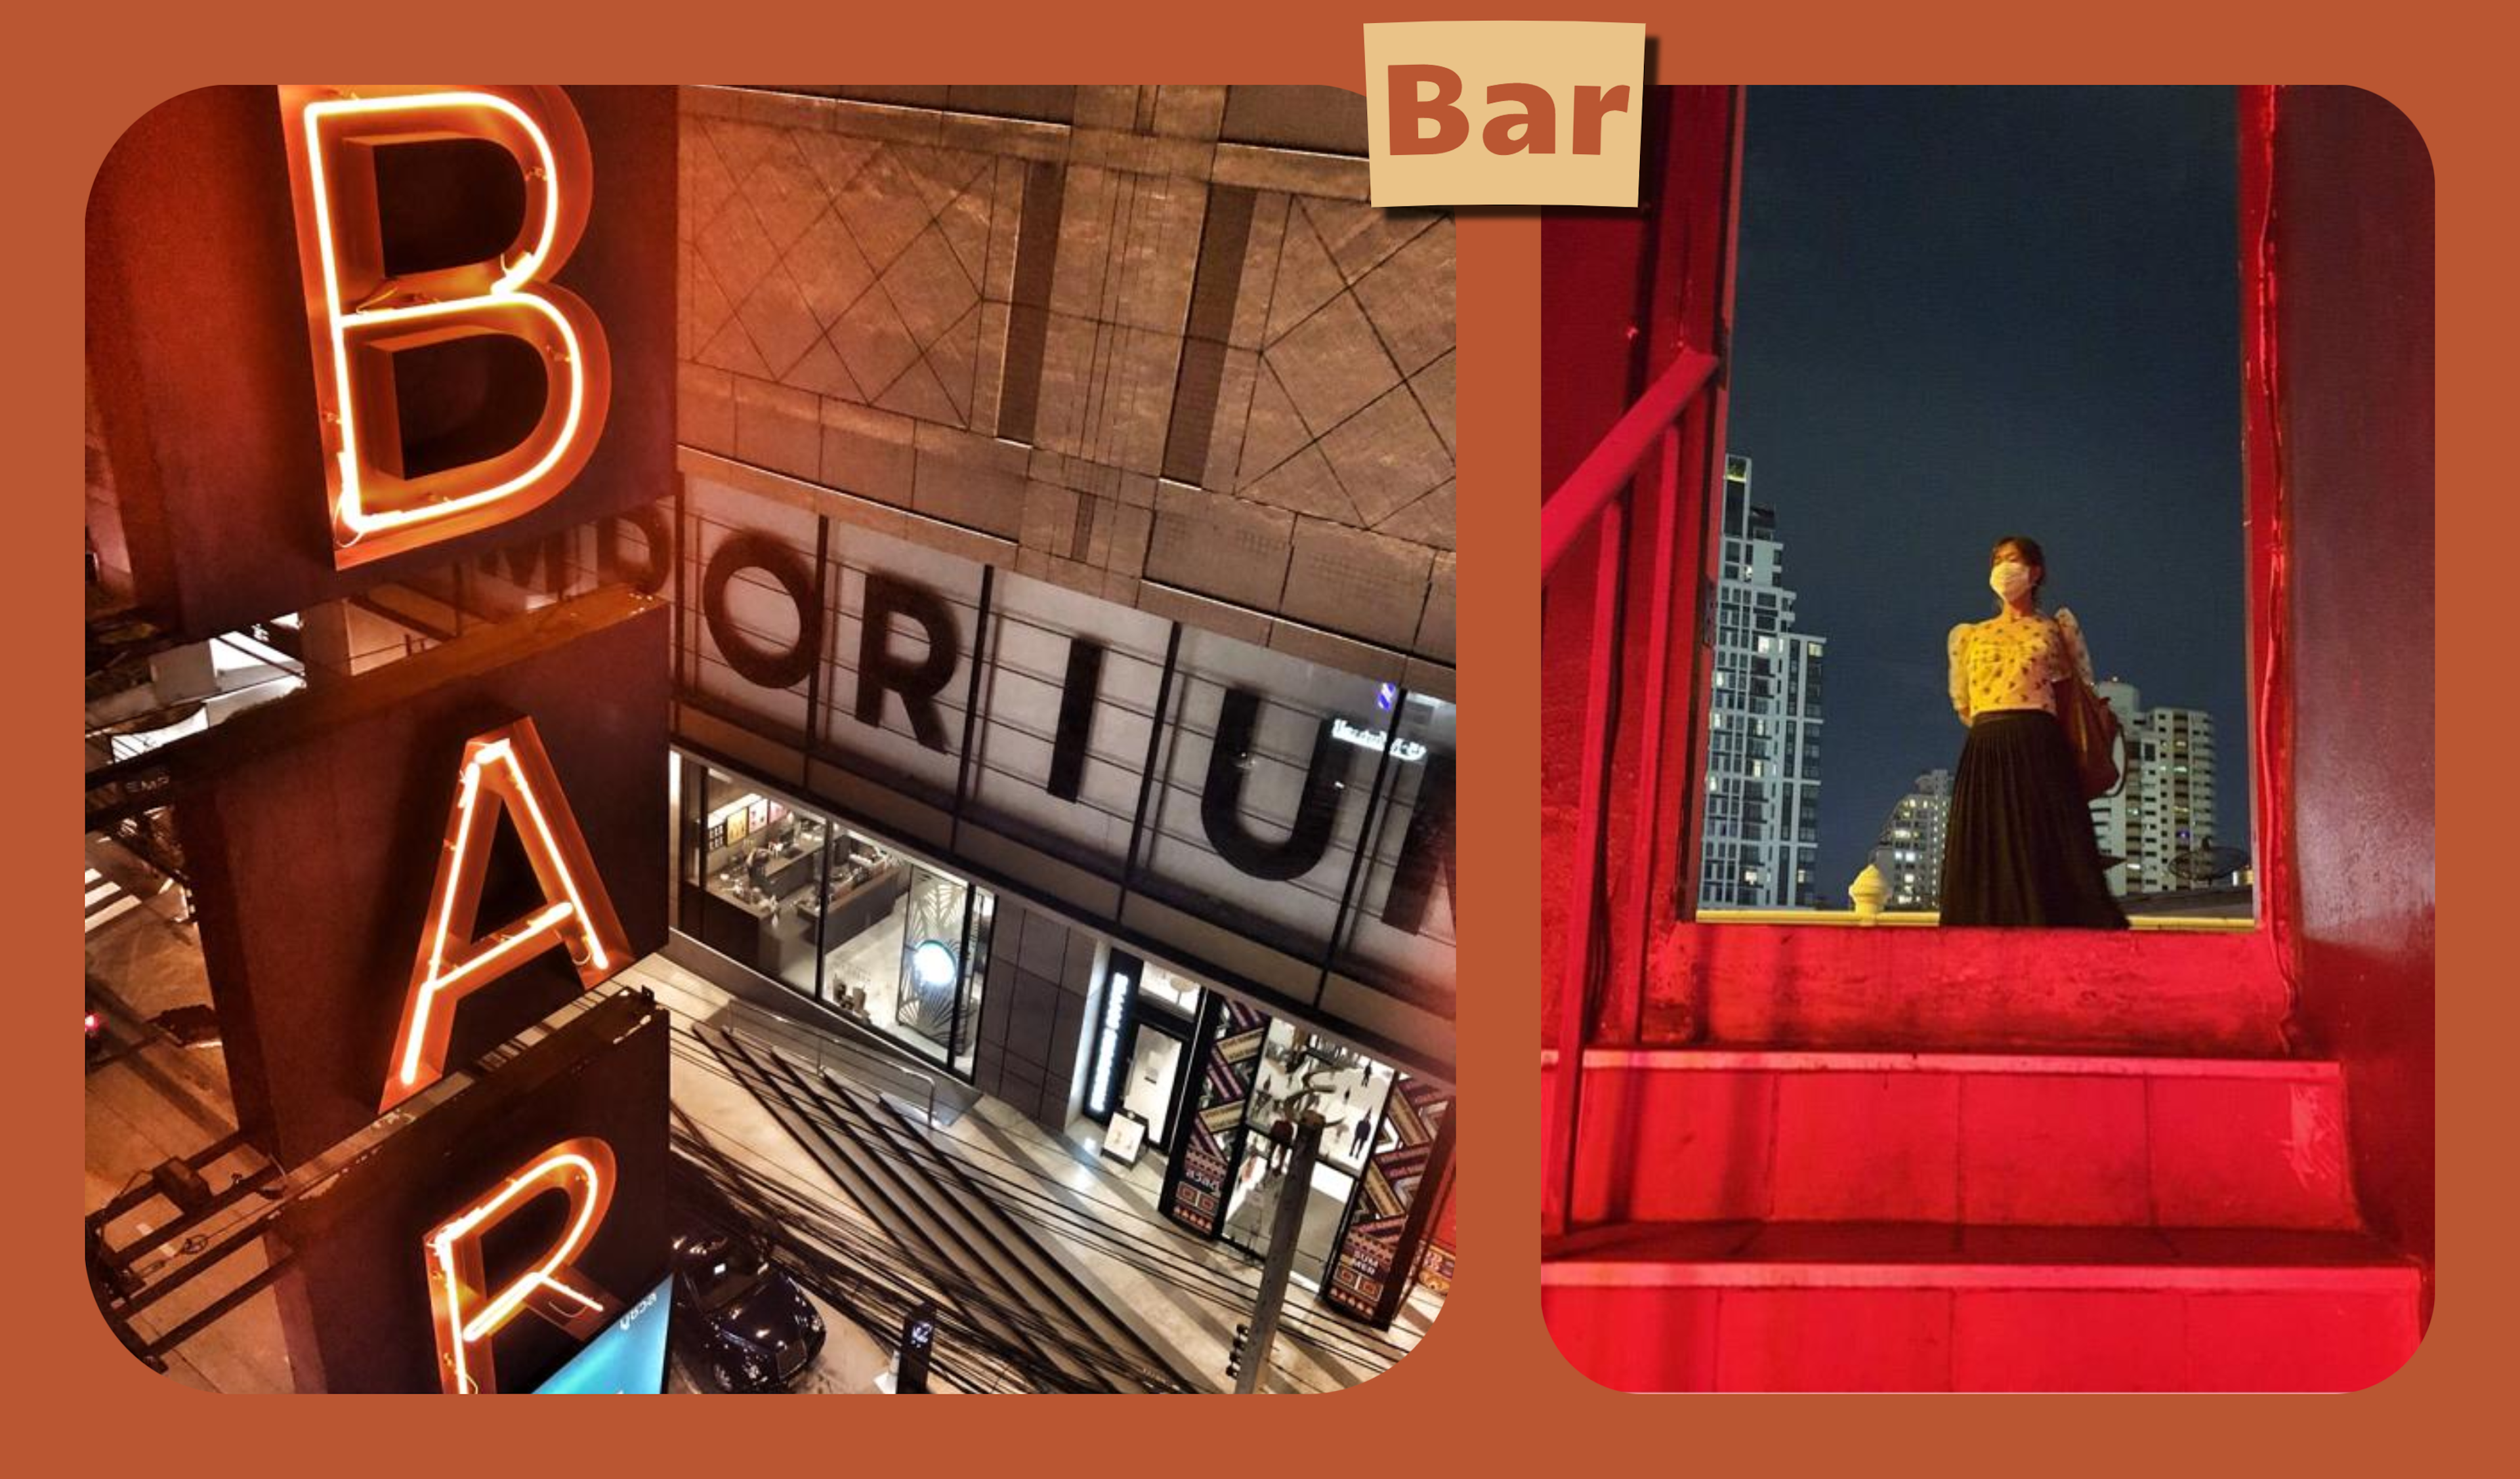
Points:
point(508, 766)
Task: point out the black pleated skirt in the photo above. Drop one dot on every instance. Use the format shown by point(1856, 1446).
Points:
point(2019, 847)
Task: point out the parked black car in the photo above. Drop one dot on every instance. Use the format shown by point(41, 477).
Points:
point(742, 1314)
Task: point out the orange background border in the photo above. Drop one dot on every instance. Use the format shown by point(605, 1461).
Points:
point(1486, 1386)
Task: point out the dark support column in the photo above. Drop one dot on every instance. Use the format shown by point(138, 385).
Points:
point(1294, 1193)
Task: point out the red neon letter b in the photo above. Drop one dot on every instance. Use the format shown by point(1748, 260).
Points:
point(362, 313)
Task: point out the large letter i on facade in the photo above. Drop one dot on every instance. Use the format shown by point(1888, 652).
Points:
point(506, 769)
point(364, 311)
point(469, 1315)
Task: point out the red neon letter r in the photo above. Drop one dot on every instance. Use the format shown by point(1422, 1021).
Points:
point(468, 1316)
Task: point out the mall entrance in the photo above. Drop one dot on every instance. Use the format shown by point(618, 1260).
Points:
point(1298, 1071)
point(1139, 1077)
point(1193, 1089)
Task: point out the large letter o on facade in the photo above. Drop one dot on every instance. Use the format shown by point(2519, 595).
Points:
point(766, 666)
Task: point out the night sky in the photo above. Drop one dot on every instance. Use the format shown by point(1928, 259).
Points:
point(1971, 312)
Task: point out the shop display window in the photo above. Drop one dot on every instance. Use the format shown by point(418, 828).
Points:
point(1163, 1013)
point(849, 921)
point(758, 859)
point(895, 944)
point(1154, 1070)
point(980, 929)
point(1298, 1071)
point(1178, 994)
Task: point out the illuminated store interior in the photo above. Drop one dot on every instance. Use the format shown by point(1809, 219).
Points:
point(1141, 1081)
point(859, 926)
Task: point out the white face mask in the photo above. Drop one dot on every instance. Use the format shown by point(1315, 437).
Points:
point(2010, 578)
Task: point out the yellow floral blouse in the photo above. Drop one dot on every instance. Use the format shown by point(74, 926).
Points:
point(2009, 663)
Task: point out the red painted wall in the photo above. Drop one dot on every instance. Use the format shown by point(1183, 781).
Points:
point(2353, 265)
point(1623, 293)
point(1589, 288)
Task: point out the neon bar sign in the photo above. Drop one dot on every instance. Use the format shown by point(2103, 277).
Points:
point(360, 314)
point(509, 768)
point(468, 1316)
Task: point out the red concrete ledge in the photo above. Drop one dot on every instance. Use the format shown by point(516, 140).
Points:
point(1931, 1256)
point(2085, 1065)
point(2024, 1140)
point(2203, 994)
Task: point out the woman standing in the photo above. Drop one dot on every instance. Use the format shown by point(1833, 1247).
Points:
point(2019, 847)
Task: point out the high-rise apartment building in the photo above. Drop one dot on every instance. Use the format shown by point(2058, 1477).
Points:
point(1763, 745)
point(2166, 806)
point(1908, 851)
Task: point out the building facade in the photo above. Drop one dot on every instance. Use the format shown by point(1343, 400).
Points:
point(2165, 809)
point(1909, 852)
point(1763, 777)
point(1065, 577)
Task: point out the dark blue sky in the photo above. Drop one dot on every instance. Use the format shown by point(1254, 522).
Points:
point(1969, 312)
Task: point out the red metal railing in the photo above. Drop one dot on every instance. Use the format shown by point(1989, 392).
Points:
point(1595, 497)
point(1607, 470)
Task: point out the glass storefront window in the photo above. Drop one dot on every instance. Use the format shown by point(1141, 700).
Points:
point(1156, 1052)
point(1299, 1071)
point(905, 948)
point(1400, 931)
point(883, 938)
point(980, 930)
point(758, 861)
point(862, 929)
point(1178, 993)
point(1141, 1048)
point(1209, 1143)
point(931, 956)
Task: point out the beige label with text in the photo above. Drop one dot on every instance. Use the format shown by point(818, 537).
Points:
point(1505, 113)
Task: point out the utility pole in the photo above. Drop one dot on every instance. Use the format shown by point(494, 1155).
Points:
point(1293, 1195)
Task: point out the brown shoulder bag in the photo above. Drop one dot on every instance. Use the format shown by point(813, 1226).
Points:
point(2092, 732)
